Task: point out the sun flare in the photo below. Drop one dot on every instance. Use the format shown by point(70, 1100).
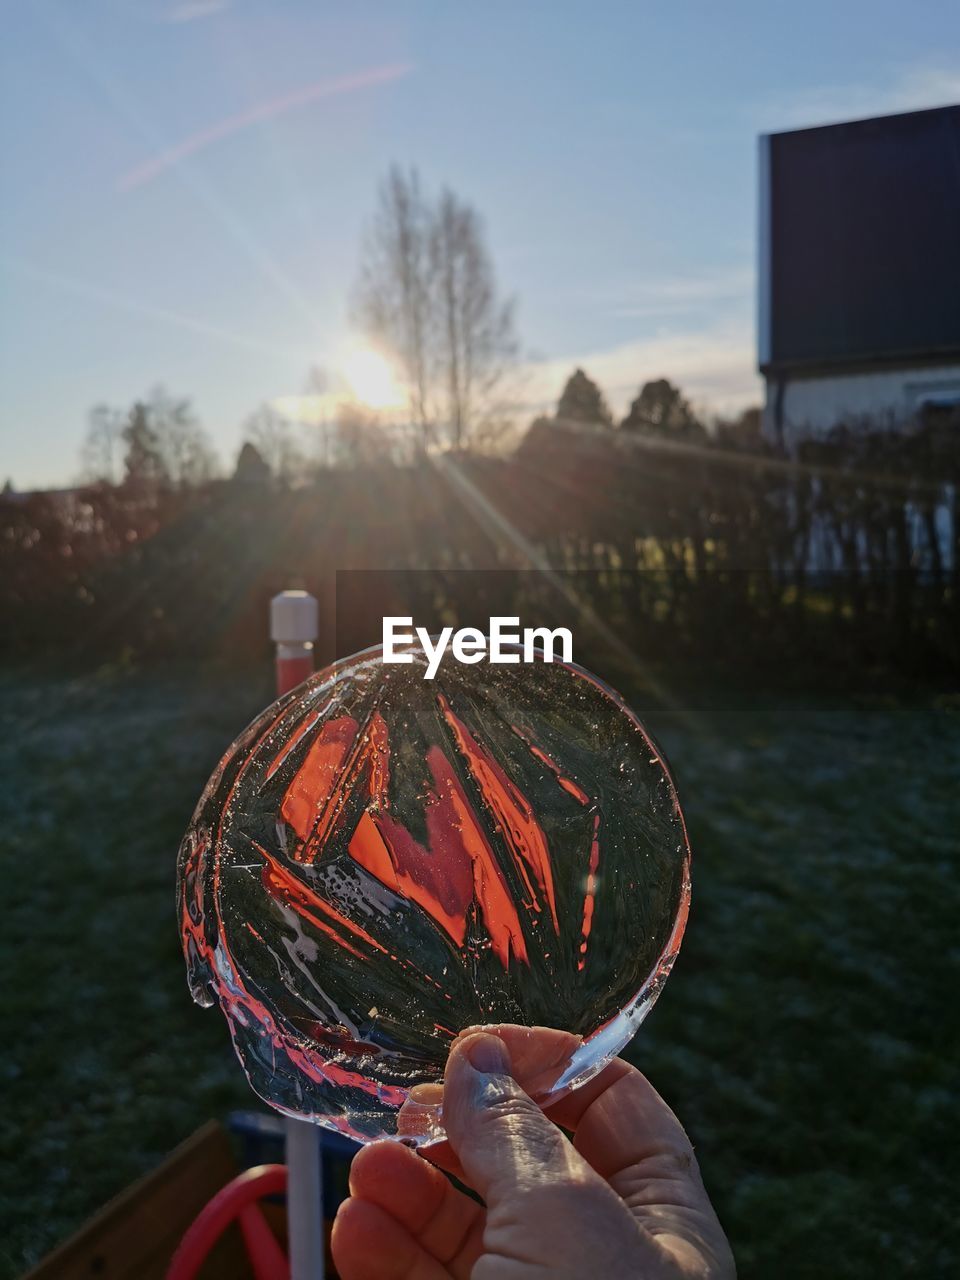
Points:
point(371, 379)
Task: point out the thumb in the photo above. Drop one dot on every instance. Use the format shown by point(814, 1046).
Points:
point(505, 1144)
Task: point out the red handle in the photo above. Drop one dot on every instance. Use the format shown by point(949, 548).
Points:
point(236, 1202)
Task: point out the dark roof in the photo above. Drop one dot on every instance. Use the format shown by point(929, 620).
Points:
point(863, 242)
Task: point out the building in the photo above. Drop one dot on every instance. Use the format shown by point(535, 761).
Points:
point(859, 272)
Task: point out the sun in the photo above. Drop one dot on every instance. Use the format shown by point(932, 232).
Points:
point(371, 379)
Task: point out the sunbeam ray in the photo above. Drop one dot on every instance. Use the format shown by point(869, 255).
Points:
point(531, 557)
point(79, 50)
point(84, 289)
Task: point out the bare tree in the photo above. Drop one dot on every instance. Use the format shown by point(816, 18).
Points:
point(158, 440)
point(100, 452)
point(427, 291)
point(144, 465)
point(361, 438)
point(393, 292)
point(475, 340)
point(274, 439)
point(184, 445)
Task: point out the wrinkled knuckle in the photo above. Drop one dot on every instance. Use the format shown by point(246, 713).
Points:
point(671, 1161)
point(669, 1176)
point(682, 1159)
point(515, 1122)
point(509, 1109)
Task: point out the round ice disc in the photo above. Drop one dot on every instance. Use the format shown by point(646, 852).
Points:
point(382, 860)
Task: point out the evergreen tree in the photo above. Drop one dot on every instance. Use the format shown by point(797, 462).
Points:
point(251, 467)
point(582, 401)
point(662, 409)
point(277, 443)
point(164, 445)
point(143, 461)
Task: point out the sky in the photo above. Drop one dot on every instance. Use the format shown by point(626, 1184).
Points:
point(184, 184)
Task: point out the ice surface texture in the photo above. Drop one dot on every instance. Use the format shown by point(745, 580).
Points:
point(380, 861)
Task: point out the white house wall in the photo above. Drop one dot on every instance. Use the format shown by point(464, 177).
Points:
point(812, 406)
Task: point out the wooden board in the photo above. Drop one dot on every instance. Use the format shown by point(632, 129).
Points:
point(134, 1236)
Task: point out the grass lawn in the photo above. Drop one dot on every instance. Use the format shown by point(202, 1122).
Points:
point(808, 1036)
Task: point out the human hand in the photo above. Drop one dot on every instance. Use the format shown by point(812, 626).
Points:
point(624, 1200)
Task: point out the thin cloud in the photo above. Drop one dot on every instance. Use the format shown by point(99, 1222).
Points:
point(911, 89)
point(192, 10)
point(715, 367)
point(273, 107)
point(682, 294)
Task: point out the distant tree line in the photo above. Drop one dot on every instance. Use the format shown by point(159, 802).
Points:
point(846, 557)
point(158, 442)
point(683, 537)
point(426, 296)
point(659, 409)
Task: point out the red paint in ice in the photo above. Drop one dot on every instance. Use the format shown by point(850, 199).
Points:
point(306, 724)
point(312, 803)
point(389, 852)
point(513, 812)
point(590, 892)
point(589, 898)
point(379, 752)
point(237, 1002)
point(241, 1006)
point(311, 795)
point(451, 824)
point(191, 907)
point(456, 870)
point(284, 887)
point(568, 784)
point(232, 992)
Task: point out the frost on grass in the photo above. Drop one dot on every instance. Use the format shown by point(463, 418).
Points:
point(804, 1036)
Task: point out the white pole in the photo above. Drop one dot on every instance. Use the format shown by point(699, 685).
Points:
point(305, 1231)
point(293, 628)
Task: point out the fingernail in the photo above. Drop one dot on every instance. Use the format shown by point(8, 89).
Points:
point(488, 1054)
point(425, 1094)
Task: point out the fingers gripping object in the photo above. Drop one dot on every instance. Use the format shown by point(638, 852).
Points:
point(380, 861)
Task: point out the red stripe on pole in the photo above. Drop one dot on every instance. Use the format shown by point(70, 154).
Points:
point(293, 671)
